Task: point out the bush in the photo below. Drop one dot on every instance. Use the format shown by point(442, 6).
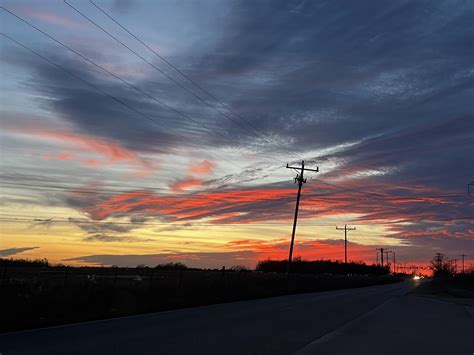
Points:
point(441, 266)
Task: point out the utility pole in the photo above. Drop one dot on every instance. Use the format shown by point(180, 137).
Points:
point(462, 256)
point(345, 229)
point(381, 255)
point(300, 180)
point(469, 188)
point(386, 258)
point(394, 263)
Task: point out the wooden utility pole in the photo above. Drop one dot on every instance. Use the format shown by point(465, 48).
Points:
point(345, 229)
point(386, 251)
point(394, 263)
point(463, 256)
point(381, 255)
point(300, 180)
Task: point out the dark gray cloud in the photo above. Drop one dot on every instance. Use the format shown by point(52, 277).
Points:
point(200, 259)
point(334, 73)
point(14, 251)
point(313, 72)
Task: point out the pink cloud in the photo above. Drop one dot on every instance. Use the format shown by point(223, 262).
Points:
point(58, 156)
point(203, 168)
point(111, 152)
point(185, 184)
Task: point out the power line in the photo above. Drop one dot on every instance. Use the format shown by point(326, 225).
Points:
point(171, 65)
point(151, 64)
point(127, 189)
point(110, 95)
point(127, 83)
point(335, 194)
point(184, 115)
point(106, 188)
point(77, 220)
point(387, 195)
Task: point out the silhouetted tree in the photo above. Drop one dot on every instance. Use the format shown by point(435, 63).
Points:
point(171, 266)
point(321, 267)
point(441, 267)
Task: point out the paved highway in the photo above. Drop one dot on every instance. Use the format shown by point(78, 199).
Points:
point(279, 325)
point(409, 325)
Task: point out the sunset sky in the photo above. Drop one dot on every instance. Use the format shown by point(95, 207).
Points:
point(121, 152)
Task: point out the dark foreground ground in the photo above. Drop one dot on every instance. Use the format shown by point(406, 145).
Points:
point(278, 325)
point(387, 319)
point(34, 298)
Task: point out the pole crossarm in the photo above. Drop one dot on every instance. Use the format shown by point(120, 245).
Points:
point(299, 168)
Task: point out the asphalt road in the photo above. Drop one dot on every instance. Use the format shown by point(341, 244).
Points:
point(279, 325)
point(404, 325)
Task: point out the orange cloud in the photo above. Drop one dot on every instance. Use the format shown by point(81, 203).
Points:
point(195, 206)
point(110, 151)
point(185, 184)
point(203, 168)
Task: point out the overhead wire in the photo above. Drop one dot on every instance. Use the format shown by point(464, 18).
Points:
point(184, 75)
point(127, 83)
point(112, 96)
point(384, 195)
point(157, 68)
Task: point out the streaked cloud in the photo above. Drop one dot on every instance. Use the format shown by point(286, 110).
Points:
point(14, 251)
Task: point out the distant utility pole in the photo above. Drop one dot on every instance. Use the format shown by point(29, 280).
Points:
point(394, 263)
point(300, 180)
point(345, 229)
point(381, 255)
point(471, 184)
point(386, 257)
point(462, 256)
